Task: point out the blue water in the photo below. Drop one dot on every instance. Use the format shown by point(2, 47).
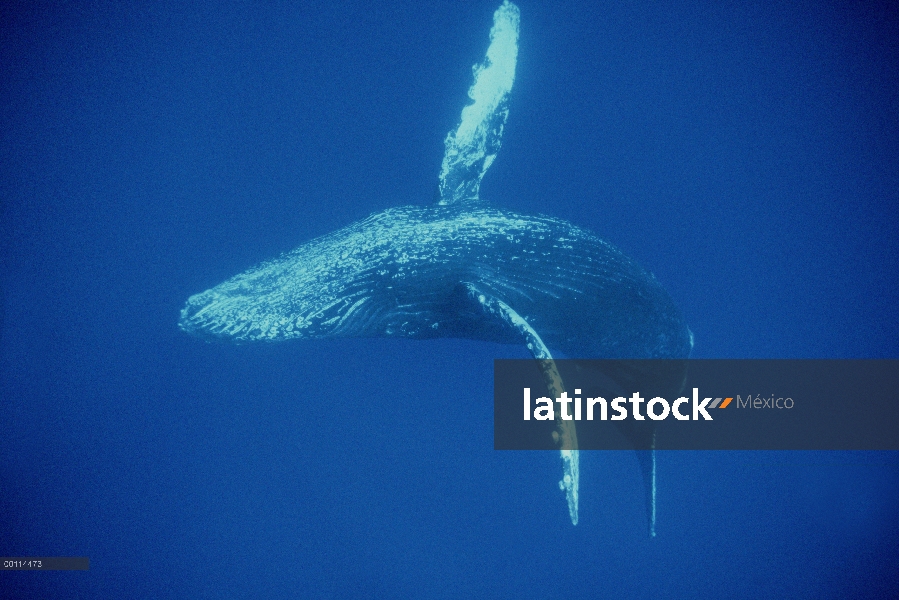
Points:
point(746, 153)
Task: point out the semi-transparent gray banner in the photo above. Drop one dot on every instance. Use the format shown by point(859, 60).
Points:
point(699, 404)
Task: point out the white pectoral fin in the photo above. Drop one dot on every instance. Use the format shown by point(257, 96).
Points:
point(565, 430)
point(571, 473)
point(472, 146)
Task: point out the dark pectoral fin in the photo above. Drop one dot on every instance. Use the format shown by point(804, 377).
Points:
point(651, 378)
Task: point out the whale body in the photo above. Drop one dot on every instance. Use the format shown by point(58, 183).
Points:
point(404, 272)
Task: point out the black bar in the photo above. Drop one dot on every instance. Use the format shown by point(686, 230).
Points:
point(44, 563)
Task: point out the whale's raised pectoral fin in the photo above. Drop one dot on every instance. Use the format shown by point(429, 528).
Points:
point(472, 146)
point(565, 434)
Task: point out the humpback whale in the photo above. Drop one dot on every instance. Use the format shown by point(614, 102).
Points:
point(459, 268)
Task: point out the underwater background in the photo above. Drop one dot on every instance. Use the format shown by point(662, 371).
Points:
point(744, 152)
